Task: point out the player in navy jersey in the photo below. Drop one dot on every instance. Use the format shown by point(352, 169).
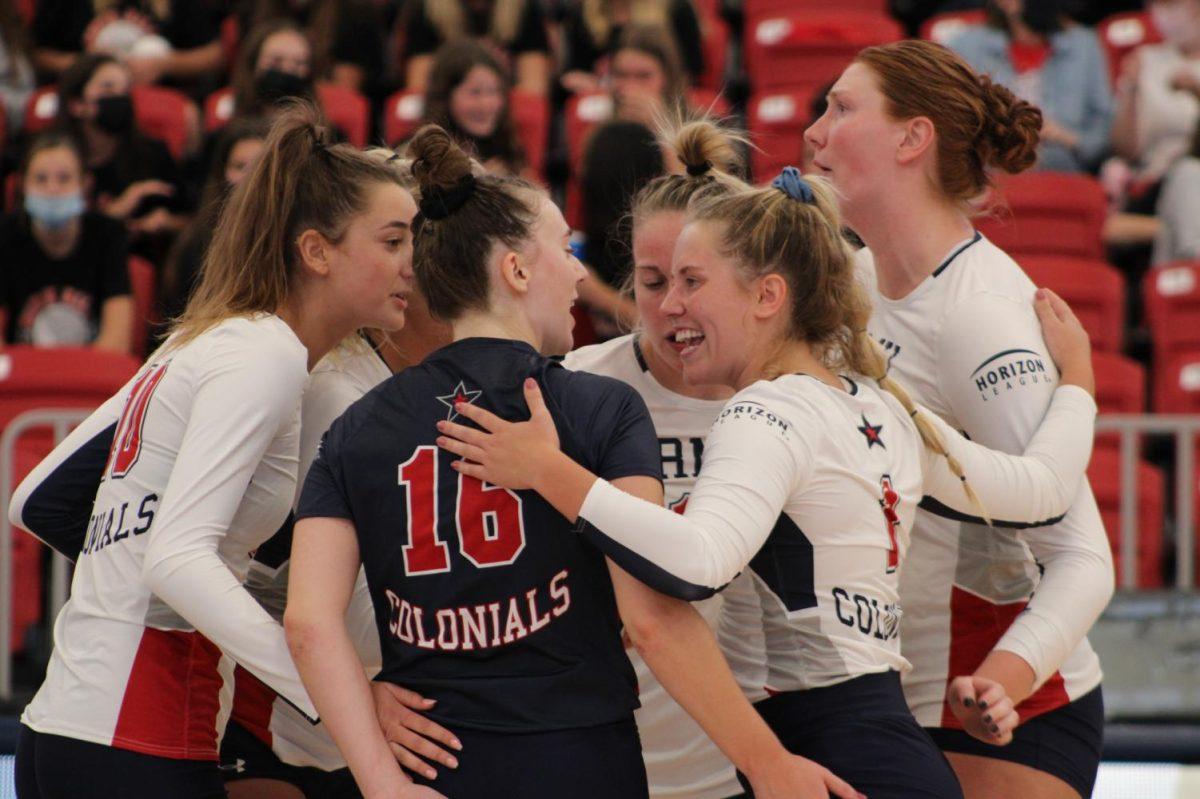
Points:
point(201, 470)
point(809, 484)
point(483, 599)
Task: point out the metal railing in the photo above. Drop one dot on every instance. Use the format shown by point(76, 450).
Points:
point(1184, 430)
point(1130, 428)
point(61, 421)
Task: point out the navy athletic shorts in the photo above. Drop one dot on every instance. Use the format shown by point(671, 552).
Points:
point(862, 731)
point(602, 762)
point(245, 757)
point(56, 767)
point(1065, 742)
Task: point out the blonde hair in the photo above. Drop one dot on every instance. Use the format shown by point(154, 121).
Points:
point(300, 182)
point(597, 17)
point(450, 21)
point(766, 231)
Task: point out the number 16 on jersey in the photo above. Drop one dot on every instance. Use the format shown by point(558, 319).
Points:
point(488, 521)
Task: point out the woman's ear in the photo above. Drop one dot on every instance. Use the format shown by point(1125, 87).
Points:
point(513, 272)
point(771, 296)
point(919, 136)
point(314, 252)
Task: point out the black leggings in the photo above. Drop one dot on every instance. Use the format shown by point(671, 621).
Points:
point(54, 767)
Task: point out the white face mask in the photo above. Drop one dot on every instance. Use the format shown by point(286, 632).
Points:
point(1178, 23)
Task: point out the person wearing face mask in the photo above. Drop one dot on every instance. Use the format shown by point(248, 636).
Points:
point(65, 281)
point(1033, 49)
point(135, 178)
point(275, 63)
point(1158, 97)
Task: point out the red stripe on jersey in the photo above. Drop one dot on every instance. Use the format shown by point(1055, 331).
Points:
point(172, 698)
point(253, 703)
point(975, 626)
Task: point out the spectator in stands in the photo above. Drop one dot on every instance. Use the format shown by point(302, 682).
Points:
point(174, 39)
point(1158, 97)
point(237, 147)
point(623, 155)
point(1031, 47)
point(592, 30)
point(135, 178)
point(16, 70)
point(515, 28)
point(468, 97)
point(65, 279)
point(346, 36)
point(1178, 210)
point(275, 63)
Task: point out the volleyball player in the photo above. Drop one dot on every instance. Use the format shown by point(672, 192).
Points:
point(908, 140)
point(681, 761)
point(269, 749)
point(810, 479)
point(483, 599)
point(201, 470)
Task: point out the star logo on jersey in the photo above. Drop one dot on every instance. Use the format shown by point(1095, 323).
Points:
point(872, 433)
point(460, 394)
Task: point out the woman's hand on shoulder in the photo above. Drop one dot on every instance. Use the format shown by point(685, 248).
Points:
point(1066, 340)
point(514, 455)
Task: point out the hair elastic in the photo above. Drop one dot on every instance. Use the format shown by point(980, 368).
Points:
point(793, 184)
point(438, 202)
point(696, 170)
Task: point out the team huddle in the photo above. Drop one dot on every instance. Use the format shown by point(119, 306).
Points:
point(357, 528)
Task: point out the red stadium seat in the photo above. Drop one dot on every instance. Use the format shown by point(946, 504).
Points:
point(806, 50)
point(27, 9)
point(41, 109)
point(1121, 34)
point(941, 28)
point(1177, 382)
point(531, 117)
point(1172, 311)
point(1120, 388)
point(142, 282)
point(1048, 213)
point(1094, 289)
point(346, 109)
point(757, 8)
point(402, 114)
point(47, 378)
point(161, 113)
point(1104, 473)
point(231, 35)
point(777, 122)
point(716, 50)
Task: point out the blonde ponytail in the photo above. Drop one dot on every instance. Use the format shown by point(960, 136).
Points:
point(867, 358)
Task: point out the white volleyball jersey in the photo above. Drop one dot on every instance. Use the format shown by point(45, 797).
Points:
point(342, 377)
point(968, 345)
point(815, 489)
point(202, 470)
point(681, 761)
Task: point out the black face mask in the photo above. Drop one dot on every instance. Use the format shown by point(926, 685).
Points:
point(273, 85)
point(1042, 16)
point(114, 114)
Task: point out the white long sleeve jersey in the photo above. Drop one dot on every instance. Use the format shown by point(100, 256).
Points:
point(681, 761)
point(201, 471)
point(341, 378)
point(815, 489)
point(967, 344)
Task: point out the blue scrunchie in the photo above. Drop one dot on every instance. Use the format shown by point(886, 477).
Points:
point(793, 184)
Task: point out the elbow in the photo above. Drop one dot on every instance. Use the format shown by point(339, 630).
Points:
point(303, 634)
point(649, 625)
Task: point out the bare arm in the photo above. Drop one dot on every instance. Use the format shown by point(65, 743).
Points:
point(532, 72)
point(417, 73)
point(116, 324)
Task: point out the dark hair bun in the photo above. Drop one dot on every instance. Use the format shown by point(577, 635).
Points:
point(1011, 129)
point(437, 162)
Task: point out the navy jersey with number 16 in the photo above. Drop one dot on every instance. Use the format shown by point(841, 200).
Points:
point(485, 598)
